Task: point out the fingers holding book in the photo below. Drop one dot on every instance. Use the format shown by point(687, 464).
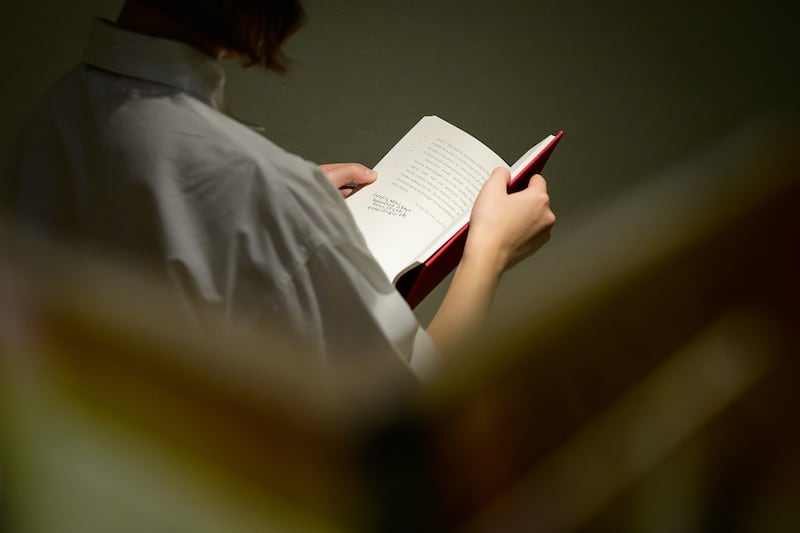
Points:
point(348, 177)
point(505, 228)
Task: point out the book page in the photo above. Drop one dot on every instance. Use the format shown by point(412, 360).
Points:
point(519, 167)
point(528, 157)
point(426, 182)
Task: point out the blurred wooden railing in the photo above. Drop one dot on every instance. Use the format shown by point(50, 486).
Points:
point(666, 320)
point(645, 375)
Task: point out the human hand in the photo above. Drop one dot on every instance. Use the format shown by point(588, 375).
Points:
point(506, 228)
point(348, 177)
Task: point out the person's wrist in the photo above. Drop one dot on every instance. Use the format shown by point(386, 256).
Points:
point(484, 257)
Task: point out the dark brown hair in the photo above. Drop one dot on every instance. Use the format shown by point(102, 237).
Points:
point(252, 29)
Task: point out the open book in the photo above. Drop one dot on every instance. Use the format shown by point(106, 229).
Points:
point(415, 216)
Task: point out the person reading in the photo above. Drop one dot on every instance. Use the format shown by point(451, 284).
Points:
point(132, 151)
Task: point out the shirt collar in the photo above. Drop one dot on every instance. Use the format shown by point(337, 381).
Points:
point(163, 61)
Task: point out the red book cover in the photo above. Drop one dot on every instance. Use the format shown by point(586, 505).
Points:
point(418, 282)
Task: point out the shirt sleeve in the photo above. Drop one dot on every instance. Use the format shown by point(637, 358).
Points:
point(361, 313)
point(358, 311)
point(300, 257)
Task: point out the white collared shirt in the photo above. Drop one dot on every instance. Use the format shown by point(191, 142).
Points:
point(131, 151)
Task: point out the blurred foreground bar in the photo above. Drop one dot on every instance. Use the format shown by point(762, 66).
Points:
point(646, 377)
point(647, 380)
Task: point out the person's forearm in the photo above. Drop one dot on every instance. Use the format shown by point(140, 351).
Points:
point(466, 304)
point(504, 228)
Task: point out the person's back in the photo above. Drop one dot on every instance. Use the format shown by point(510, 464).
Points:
point(131, 152)
point(140, 159)
point(85, 170)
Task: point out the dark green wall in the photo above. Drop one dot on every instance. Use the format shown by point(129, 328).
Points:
point(635, 85)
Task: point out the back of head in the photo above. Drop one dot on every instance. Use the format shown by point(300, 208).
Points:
point(253, 30)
